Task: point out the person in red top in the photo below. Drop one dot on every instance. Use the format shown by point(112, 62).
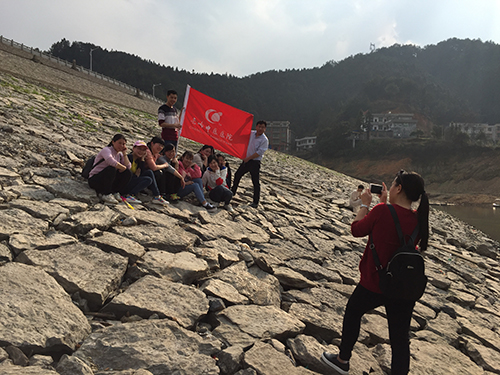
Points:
point(378, 223)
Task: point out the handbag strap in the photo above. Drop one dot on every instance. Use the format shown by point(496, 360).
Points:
point(398, 227)
point(376, 259)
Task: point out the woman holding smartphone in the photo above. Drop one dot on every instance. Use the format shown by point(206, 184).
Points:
point(378, 223)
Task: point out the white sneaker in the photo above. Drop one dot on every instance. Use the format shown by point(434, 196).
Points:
point(228, 207)
point(117, 196)
point(109, 198)
point(210, 208)
point(159, 200)
point(132, 199)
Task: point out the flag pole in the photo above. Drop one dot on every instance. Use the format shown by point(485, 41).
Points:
point(186, 98)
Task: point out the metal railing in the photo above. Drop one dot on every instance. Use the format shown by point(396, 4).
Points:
point(37, 52)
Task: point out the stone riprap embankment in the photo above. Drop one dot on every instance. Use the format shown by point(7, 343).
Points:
point(93, 289)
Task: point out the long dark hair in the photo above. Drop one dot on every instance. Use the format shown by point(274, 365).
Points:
point(204, 147)
point(186, 154)
point(117, 137)
point(414, 188)
point(168, 147)
point(155, 140)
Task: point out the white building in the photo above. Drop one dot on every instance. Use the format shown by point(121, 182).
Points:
point(492, 132)
point(392, 125)
point(305, 143)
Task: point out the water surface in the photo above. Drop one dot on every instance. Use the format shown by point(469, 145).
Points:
point(484, 218)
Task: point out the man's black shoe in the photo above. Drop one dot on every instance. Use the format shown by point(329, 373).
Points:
point(332, 361)
point(254, 205)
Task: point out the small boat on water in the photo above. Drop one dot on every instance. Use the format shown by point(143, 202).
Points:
point(496, 203)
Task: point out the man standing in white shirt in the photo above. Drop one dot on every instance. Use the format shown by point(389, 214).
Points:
point(257, 145)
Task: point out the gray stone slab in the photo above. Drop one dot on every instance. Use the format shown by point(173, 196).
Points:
point(173, 239)
point(14, 220)
point(39, 209)
point(20, 242)
point(152, 295)
point(114, 243)
point(66, 187)
point(160, 346)
point(263, 322)
point(36, 314)
point(80, 223)
point(181, 267)
point(81, 268)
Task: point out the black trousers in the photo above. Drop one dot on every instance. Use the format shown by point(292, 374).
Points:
point(221, 193)
point(110, 180)
point(167, 182)
point(252, 166)
point(399, 314)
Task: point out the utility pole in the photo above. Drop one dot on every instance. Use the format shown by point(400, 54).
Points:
point(92, 49)
point(154, 85)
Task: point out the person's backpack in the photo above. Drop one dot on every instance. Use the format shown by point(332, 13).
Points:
point(404, 276)
point(89, 165)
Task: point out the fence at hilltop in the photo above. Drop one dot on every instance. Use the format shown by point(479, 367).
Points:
point(37, 54)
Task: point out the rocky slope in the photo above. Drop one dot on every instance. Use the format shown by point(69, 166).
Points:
point(92, 289)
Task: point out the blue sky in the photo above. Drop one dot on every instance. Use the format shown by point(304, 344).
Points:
point(243, 37)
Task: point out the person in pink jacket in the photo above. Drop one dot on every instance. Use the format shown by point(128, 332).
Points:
point(214, 179)
point(191, 173)
point(111, 172)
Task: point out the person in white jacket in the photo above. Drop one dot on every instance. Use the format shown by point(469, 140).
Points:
point(214, 179)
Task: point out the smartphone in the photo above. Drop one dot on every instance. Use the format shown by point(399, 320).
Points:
point(375, 189)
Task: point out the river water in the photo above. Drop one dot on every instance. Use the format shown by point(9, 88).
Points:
point(484, 218)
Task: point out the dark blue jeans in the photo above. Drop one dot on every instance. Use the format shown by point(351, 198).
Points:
point(196, 187)
point(145, 180)
point(399, 314)
point(252, 166)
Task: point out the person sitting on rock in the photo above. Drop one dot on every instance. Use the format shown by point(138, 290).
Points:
point(223, 163)
point(192, 177)
point(111, 172)
point(214, 179)
point(142, 177)
point(174, 181)
point(355, 199)
point(160, 167)
point(201, 157)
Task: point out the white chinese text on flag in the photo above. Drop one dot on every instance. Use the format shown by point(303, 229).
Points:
point(209, 121)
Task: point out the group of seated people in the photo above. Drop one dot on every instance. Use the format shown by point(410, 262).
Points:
point(117, 176)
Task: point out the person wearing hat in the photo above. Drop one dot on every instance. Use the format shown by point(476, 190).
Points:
point(142, 177)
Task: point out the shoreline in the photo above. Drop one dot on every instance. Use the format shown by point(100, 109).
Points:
point(455, 199)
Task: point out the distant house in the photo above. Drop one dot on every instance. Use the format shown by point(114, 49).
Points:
point(392, 125)
point(305, 143)
point(279, 135)
point(491, 132)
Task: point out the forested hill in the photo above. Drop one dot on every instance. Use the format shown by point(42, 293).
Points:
point(455, 80)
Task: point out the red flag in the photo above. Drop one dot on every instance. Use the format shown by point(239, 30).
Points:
point(209, 121)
